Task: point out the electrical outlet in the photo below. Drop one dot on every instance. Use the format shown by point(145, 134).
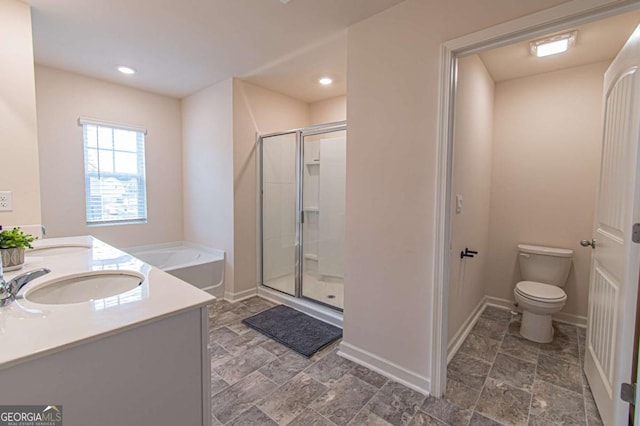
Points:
point(6, 201)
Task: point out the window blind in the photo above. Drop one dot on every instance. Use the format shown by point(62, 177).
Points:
point(115, 184)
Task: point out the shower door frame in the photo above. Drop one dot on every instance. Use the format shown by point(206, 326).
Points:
point(300, 133)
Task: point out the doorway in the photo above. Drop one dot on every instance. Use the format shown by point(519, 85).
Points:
point(532, 27)
point(302, 213)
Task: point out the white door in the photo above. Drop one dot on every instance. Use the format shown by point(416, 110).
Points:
point(615, 260)
point(637, 401)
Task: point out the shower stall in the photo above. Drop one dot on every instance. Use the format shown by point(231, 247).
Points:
point(302, 212)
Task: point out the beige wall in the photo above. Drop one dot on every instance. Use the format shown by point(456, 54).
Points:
point(269, 111)
point(18, 137)
point(62, 97)
point(219, 148)
point(207, 156)
point(473, 139)
point(391, 171)
point(328, 111)
point(255, 110)
point(546, 163)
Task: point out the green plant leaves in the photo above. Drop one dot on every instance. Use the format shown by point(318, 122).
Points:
point(15, 238)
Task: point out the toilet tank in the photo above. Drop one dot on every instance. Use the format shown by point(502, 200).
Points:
point(548, 265)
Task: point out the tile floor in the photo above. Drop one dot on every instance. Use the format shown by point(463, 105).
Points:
point(496, 378)
point(499, 378)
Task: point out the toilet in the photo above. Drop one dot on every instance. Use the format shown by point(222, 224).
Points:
point(544, 271)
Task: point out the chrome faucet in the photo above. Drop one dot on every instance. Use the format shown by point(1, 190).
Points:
point(9, 289)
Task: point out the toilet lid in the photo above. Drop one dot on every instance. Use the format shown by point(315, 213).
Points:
point(540, 291)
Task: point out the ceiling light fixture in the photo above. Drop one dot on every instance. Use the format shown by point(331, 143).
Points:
point(553, 45)
point(126, 70)
point(325, 81)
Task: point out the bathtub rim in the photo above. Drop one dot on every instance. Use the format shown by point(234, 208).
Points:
point(216, 255)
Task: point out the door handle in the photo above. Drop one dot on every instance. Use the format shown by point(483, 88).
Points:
point(587, 243)
point(467, 253)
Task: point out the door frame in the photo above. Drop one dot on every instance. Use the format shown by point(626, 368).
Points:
point(572, 13)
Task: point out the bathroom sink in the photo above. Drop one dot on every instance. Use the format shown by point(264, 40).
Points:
point(85, 287)
point(57, 249)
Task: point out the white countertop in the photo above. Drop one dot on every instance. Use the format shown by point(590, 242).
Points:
point(30, 330)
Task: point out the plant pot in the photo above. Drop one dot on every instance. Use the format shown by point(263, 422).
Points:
point(12, 258)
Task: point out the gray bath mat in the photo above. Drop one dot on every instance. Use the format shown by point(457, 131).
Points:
point(298, 331)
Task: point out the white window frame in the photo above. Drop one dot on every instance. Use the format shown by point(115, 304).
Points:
point(140, 176)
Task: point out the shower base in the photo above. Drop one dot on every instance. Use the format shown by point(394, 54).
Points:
point(324, 291)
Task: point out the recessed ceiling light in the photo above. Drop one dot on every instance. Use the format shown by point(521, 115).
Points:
point(325, 81)
point(553, 45)
point(126, 70)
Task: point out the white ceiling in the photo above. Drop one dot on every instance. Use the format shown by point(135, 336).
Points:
point(596, 41)
point(180, 47)
point(297, 75)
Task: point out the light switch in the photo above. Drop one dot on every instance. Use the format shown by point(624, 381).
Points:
point(458, 204)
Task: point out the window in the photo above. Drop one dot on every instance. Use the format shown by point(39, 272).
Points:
point(114, 173)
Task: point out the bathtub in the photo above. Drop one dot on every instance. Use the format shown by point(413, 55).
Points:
point(200, 266)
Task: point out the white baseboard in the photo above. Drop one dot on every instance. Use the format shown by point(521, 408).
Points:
point(501, 303)
point(241, 295)
point(465, 329)
point(385, 367)
point(577, 320)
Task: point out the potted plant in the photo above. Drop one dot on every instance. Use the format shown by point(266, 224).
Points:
point(12, 246)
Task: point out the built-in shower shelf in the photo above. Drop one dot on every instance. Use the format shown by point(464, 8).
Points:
point(311, 256)
point(312, 163)
point(311, 209)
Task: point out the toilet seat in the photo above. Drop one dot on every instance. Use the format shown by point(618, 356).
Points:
point(540, 292)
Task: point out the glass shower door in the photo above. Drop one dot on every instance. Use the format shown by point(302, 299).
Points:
point(323, 207)
point(279, 212)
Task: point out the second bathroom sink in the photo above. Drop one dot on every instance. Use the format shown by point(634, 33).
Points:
point(85, 287)
point(57, 249)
